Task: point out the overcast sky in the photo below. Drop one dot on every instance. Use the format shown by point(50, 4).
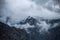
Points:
point(20, 9)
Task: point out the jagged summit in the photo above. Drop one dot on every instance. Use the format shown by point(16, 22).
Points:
point(30, 20)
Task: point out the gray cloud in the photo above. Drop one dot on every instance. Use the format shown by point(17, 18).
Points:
point(56, 1)
point(20, 9)
point(40, 1)
point(52, 5)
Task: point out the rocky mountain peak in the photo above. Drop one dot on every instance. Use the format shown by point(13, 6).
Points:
point(30, 21)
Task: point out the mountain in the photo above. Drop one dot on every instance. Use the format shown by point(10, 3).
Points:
point(11, 33)
point(30, 21)
point(43, 24)
point(53, 32)
point(54, 21)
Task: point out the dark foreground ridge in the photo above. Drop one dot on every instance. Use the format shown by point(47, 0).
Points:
point(11, 33)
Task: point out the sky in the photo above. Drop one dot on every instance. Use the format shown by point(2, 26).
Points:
point(20, 9)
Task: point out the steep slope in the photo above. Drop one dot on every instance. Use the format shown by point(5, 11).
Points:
point(8, 33)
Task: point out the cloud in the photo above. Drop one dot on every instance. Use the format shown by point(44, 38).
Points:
point(20, 9)
point(41, 2)
point(52, 5)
